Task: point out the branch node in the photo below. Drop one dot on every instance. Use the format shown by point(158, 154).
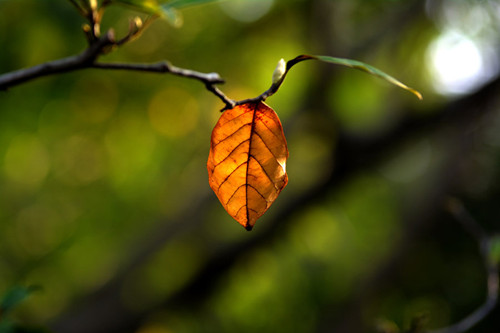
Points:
point(110, 36)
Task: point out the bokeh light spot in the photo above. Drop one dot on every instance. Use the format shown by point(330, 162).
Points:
point(79, 161)
point(94, 99)
point(27, 161)
point(38, 229)
point(247, 10)
point(130, 144)
point(457, 64)
point(173, 112)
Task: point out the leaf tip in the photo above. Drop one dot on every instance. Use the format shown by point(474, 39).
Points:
point(249, 227)
point(418, 94)
point(413, 91)
point(405, 87)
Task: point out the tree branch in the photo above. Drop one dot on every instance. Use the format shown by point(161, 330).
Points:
point(101, 45)
point(456, 208)
point(88, 58)
point(72, 63)
point(209, 79)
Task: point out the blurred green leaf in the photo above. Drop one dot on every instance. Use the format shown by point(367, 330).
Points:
point(495, 250)
point(167, 10)
point(185, 3)
point(172, 16)
point(16, 295)
point(356, 65)
point(170, 9)
point(386, 326)
point(146, 6)
point(8, 326)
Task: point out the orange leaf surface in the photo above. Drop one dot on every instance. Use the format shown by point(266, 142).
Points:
point(247, 161)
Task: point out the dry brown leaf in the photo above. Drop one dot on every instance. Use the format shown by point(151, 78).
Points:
point(247, 161)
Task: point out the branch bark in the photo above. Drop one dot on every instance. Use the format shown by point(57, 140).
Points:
point(72, 63)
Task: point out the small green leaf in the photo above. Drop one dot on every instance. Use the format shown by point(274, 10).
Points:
point(14, 296)
point(357, 65)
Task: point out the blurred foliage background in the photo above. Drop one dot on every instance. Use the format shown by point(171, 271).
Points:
point(105, 201)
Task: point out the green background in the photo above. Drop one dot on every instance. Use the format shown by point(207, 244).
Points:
point(104, 197)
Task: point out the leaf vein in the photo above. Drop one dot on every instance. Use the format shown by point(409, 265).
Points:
point(265, 171)
point(265, 144)
point(270, 130)
point(231, 152)
point(230, 135)
point(229, 175)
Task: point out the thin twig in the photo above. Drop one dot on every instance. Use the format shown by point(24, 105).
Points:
point(85, 4)
point(275, 86)
point(262, 97)
point(136, 28)
point(217, 92)
point(209, 79)
point(457, 209)
point(80, 9)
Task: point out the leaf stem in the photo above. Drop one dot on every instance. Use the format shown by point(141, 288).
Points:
point(337, 61)
point(209, 79)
